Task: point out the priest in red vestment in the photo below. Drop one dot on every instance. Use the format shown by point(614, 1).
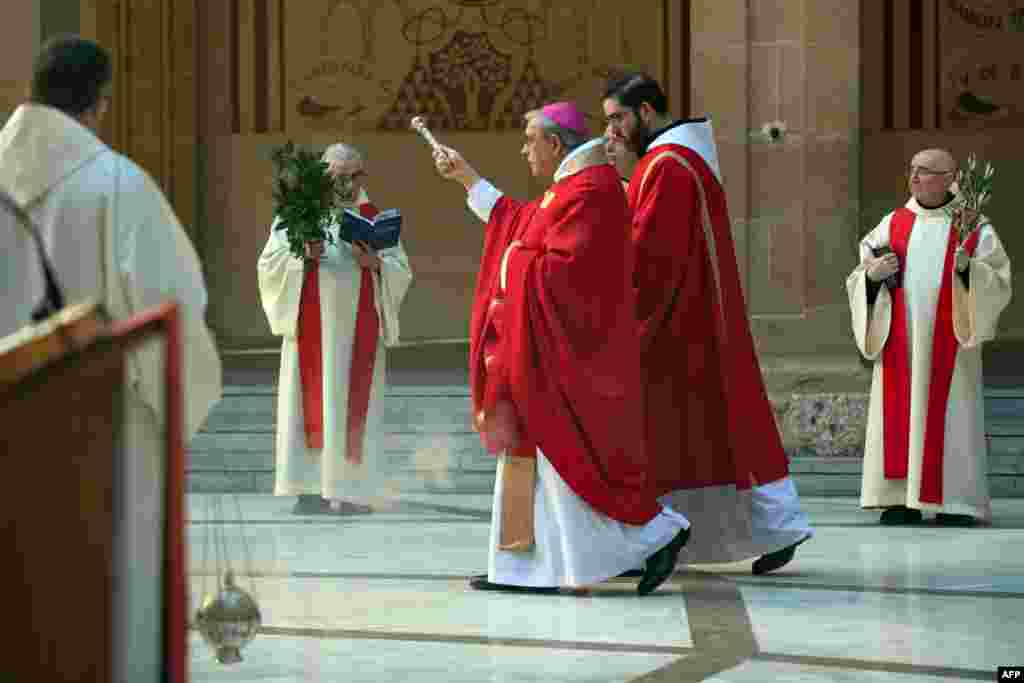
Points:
point(715, 451)
point(555, 370)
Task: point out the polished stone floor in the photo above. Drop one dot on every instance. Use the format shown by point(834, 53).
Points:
point(383, 597)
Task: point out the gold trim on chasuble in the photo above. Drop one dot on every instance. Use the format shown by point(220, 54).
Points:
point(518, 483)
point(519, 478)
point(709, 235)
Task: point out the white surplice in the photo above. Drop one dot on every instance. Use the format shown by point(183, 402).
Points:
point(325, 471)
point(112, 237)
point(574, 544)
point(976, 310)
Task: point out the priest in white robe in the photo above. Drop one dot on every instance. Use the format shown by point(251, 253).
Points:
point(922, 307)
point(112, 237)
point(337, 311)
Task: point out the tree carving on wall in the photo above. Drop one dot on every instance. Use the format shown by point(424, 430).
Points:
point(416, 95)
point(475, 64)
point(530, 92)
point(467, 83)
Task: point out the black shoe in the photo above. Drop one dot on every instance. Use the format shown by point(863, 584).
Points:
point(661, 564)
point(900, 515)
point(480, 583)
point(311, 505)
point(769, 562)
point(347, 508)
point(631, 574)
point(946, 519)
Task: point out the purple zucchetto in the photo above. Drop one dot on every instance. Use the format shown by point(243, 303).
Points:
point(567, 116)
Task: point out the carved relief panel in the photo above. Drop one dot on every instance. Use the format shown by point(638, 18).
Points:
point(469, 65)
point(982, 63)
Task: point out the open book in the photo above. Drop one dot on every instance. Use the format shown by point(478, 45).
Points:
point(380, 232)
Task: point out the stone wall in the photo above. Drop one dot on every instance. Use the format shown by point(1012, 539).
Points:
point(794, 202)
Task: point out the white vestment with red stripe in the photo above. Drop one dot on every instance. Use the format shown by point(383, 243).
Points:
point(943, 464)
point(327, 468)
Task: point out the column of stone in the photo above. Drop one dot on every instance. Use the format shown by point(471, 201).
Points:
point(793, 201)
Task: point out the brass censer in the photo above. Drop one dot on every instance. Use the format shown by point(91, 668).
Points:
point(228, 620)
point(229, 617)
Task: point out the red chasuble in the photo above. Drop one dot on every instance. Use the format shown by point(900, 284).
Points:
point(561, 339)
point(896, 370)
point(364, 349)
point(707, 416)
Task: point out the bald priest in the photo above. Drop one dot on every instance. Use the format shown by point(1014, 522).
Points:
point(923, 303)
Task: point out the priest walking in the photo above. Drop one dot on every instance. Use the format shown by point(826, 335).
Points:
point(337, 310)
point(555, 372)
point(715, 450)
point(923, 304)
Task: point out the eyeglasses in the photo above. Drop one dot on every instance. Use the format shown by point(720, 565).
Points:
point(926, 172)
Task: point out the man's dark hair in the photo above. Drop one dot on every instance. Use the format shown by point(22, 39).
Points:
point(631, 88)
point(70, 73)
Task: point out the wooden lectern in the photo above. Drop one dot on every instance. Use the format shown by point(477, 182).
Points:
point(61, 394)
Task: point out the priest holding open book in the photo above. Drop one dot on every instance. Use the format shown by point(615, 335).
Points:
point(336, 305)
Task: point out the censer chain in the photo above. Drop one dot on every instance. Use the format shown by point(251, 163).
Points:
point(224, 565)
point(206, 547)
point(246, 555)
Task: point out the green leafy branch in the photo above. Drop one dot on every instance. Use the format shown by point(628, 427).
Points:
point(303, 196)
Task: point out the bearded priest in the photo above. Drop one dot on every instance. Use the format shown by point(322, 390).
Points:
point(555, 372)
point(923, 304)
point(716, 452)
point(337, 310)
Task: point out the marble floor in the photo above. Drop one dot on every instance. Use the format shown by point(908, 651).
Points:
point(383, 597)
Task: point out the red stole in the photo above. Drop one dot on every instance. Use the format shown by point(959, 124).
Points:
point(896, 369)
point(364, 350)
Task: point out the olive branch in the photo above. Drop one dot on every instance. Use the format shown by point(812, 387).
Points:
point(974, 190)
